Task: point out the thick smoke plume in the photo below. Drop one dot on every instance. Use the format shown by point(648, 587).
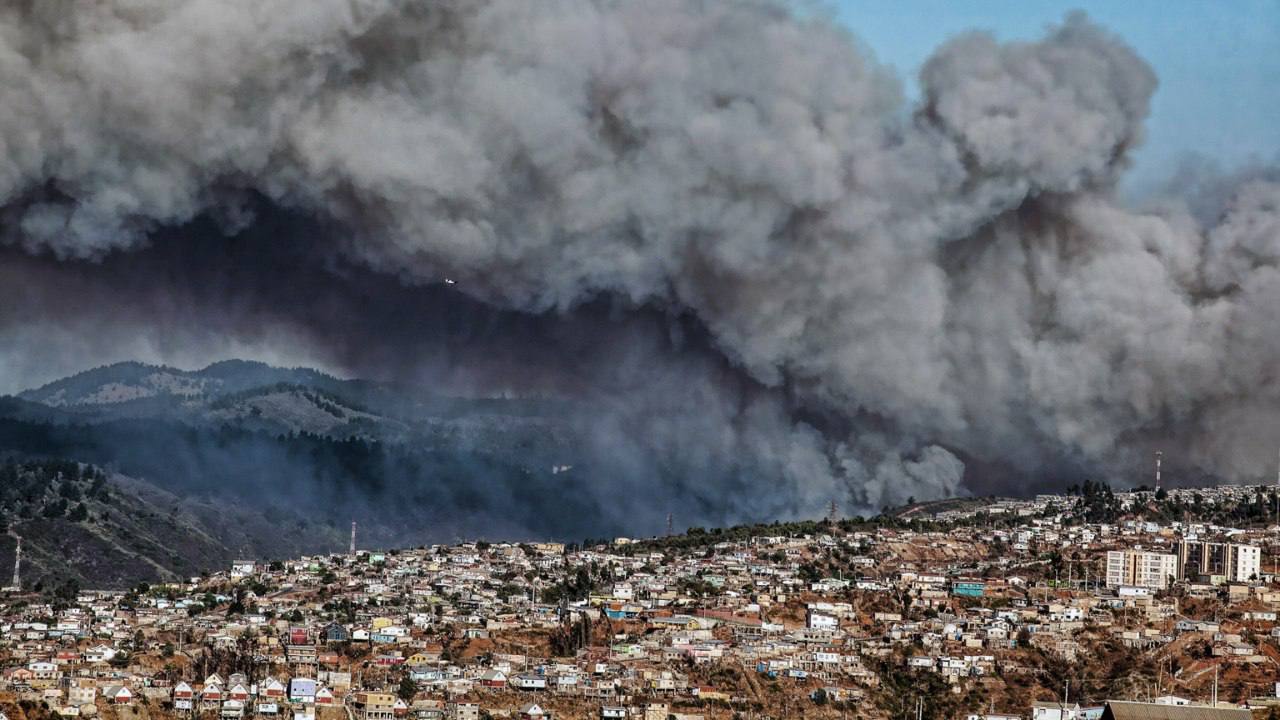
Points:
point(718, 218)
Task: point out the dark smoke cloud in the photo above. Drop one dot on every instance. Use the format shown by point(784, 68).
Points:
point(659, 419)
point(718, 218)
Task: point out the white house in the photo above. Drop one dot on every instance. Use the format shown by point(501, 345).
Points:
point(118, 694)
point(528, 682)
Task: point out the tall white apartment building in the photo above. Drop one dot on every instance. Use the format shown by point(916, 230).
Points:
point(1248, 563)
point(1135, 568)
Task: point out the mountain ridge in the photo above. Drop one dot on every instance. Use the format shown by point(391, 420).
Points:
point(410, 465)
point(309, 449)
point(135, 380)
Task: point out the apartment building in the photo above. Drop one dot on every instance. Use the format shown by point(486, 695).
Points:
point(1136, 568)
point(1219, 562)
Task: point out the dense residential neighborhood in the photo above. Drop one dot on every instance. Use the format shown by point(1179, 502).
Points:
point(1138, 604)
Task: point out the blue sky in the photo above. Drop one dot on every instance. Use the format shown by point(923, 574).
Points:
point(1218, 63)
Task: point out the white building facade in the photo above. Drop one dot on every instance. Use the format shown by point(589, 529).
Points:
point(1135, 568)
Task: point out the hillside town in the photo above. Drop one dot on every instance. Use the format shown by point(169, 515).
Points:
point(1087, 605)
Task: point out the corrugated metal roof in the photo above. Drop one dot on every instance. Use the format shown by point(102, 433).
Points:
point(1122, 710)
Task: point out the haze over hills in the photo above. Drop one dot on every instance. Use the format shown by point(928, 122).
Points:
point(238, 443)
point(248, 459)
point(82, 526)
point(200, 467)
point(255, 396)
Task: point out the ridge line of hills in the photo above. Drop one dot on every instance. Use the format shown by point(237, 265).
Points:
point(242, 458)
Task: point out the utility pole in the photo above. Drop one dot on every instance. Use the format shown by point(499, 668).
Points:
point(1215, 686)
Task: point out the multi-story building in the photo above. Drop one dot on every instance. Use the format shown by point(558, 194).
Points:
point(463, 711)
point(81, 692)
point(1248, 562)
point(1141, 569)
point(374, 705)
point(1219, 562)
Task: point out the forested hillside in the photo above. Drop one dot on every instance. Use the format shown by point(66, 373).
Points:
point(82, 526)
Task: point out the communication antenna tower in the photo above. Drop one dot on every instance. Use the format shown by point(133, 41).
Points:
point(17, 567)
point(16, 586)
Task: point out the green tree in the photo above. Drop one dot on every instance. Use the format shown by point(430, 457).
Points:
point(69, 490)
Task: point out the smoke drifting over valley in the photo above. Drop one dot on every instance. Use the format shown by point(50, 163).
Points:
point(718, 225)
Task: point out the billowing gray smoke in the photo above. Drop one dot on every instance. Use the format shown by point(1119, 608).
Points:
point(895, 300)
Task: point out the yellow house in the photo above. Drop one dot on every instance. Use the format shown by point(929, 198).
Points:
point(373, 705)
